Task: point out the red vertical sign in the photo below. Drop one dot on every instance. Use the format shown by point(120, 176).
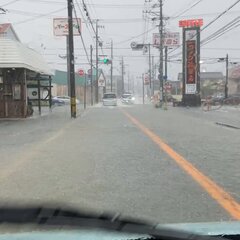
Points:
point(191, 62)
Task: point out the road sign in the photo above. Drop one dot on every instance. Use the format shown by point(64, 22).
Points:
point(191, 23)
point(133, 45)
point(137, 46)
point(60, 26)
point(145, 49)
point(81, 72)
point(146, 79)
point(101, 82)
point(170, 39)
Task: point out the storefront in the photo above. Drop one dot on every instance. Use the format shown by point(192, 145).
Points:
point(18, 64)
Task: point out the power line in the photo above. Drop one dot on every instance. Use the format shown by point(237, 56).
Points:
point(139, 35)
point(11, 2)
point(93, 8)
point(89, 19)
point(86, 22)
point(186, 10)
point(209, 24)
point(79, 30)
point(39, 16)
point(88, 16)
point(228, 27)
point(220, 15)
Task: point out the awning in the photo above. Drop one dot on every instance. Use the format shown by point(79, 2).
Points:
point(16, 55)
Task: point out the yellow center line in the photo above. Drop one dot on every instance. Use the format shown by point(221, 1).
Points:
point(216, 192)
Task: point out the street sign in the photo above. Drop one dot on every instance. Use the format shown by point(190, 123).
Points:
point(133, 45)
point(81, 72)
point(101, 82)
point(170, 39)
point(146, 79)
point(60, 26)
point(137, 46)
point(145, 49)
point(191, 23)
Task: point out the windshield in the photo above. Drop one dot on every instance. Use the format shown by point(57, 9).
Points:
point(109, 96)
point(126, 95)
point(129, 107)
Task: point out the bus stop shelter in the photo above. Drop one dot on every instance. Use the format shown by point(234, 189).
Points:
point(19, 65)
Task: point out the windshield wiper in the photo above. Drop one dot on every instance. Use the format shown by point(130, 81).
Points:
point(49, 216)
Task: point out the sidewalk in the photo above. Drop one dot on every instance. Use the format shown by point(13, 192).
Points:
point(61, 111)
point(64, 110)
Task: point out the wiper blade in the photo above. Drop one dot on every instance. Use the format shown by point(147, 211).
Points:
point(51, 216)
point(63, 216)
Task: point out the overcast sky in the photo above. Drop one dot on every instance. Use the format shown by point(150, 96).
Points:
point(122, 21)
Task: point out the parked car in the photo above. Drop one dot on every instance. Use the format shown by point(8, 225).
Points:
point(57, 102)
point(127, 98)
point(65, 99)
point(109, 99)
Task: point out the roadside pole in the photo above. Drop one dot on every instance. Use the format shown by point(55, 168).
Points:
point(161, 51)
point(71, 59)
point(91, 59)
point(226, 83)
point(150, 68)
point(39, 94)
point(111, 65)
point(85, 91)
point(166, 77)
point(166, 63)
point(96, 92)
point(143, 88)
point(122, 76)
point(153, 75)
point(68, 67)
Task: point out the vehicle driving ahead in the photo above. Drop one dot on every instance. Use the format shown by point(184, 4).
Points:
point(109, 99)
point(127, 98)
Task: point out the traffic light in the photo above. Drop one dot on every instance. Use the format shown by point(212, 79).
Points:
point(106, 61)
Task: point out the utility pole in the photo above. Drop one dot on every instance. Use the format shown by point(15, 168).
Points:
point(166, 64)
point(122, 76)
point(85, 91)
point(143, 88)
point(91, 59)
point(153, 75)
point(97, 61)
point(128, 81)
point(71, 59)
point(161, 51)
point(150, 68)
point(226, 83)
point(68, 67)
point(111, 65)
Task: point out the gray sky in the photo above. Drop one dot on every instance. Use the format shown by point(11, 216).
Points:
point(121, 23)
